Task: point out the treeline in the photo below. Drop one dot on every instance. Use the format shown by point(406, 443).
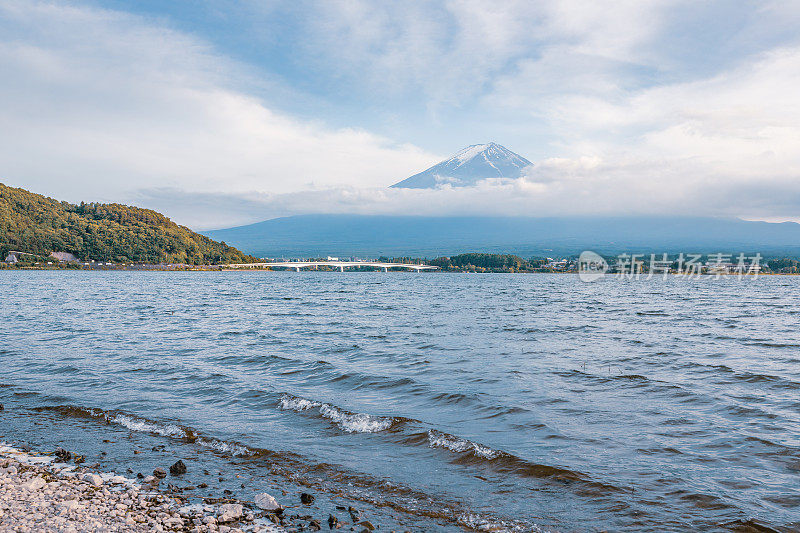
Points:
point(483, 262)
point(39, 225)
point(784, 265)
point(476, 262)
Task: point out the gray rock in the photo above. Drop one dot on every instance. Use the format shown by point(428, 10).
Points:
point(62, 455)
point(229, 512)
point(34, 484)
point(333, 522)
point(94, 479)
point(266, 502)
point(179, 468)
point(160, 473)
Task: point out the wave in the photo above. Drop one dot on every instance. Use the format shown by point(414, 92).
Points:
point(477, 522)
point(143, 425)
point(771, 344)
point(771, 380)
point(469, 452)
point(480, 455)
point(298, 469)
point(437, 439)
point(346, 420)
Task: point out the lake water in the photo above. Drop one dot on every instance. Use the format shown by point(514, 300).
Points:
point(437, 401)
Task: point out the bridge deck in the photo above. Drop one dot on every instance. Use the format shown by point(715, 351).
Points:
point(341, 265)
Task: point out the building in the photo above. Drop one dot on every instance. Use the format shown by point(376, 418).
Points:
point(12, 258)
point(63, 256)
point(557, 265)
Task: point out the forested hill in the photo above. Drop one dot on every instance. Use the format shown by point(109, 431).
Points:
point(39, 225)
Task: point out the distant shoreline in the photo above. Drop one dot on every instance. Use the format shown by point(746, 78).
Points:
point(222, 268)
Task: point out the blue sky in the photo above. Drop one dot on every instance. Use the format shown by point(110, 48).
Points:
point(421, 72)
point(224, 112)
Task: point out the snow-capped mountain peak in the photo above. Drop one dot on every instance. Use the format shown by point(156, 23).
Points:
point(468, 167)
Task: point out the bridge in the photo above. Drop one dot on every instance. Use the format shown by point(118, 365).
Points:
point(341, 265)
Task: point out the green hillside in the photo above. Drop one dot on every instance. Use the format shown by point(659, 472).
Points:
point(104, 232)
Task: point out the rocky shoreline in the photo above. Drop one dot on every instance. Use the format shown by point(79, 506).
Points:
point(56, 493)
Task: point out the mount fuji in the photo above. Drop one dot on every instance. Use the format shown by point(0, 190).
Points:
point(468, 167)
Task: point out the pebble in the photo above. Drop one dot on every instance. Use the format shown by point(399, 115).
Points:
point(229, 512)
point(62, 455)
point(72, 504)
point(34, 484)
point(160, 473)
point(37, 496)
point(266, 502)
point(94, 479)
point(333, 522)
point(178, 468)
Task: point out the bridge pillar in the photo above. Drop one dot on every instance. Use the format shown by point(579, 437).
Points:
point(341, 268)
point(386, 269)
point(297, 269)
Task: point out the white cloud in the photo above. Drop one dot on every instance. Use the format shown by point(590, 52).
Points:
point(452, 51)
point(583, 186)
point(743, 124)
point(96, 104)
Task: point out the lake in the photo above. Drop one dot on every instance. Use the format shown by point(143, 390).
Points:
point(438, 401)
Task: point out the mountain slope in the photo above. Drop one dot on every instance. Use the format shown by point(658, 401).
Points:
point(372, 236)
point(39, 225)
point(468, 167)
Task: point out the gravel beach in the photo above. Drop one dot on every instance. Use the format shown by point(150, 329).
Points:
point(40, 493)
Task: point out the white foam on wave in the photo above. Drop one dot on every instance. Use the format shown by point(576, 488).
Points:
point(481, 523)
point(24, 457)
point(437, 439)
point(349, 422)
point(355, 422)
point(226, 447)
point(294, 403)
point(137, 424)
point(172, 430)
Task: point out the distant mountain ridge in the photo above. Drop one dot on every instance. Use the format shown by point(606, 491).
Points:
point(376, 235)
point(468, 167)
point(35, 224)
